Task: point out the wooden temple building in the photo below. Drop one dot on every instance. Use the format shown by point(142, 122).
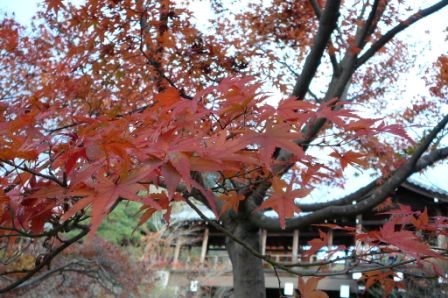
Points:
point(203, 268)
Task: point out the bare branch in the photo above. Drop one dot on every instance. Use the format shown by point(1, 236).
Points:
point(397, 29)
point(427, 160)
point(31, 171)
point(327, 23)
point(371, 23)
point(48, 258)
point(333, 59)
point(377, 196)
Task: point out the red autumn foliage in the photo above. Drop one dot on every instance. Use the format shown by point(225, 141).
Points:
point(102, 101)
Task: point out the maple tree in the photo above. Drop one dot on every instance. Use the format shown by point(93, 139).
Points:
point(102, 100)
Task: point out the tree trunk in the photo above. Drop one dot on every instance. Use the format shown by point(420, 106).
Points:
point(248, 273)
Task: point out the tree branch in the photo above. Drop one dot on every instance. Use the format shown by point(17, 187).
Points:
point(370, 23)
point(333, 59)
point(33, 172)
point(427, 160)
point(163, 27)
point(48, 258)
point(338, 86)
point(397, 29)
point(377, 196)
point(327, 23)
point(288, 266)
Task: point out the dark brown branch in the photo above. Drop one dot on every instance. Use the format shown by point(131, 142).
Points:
point(397, 29)
point(337, 88)
point(327, 23)
point(163, 27)
point(333, 59)
point(31, 171)
point(287, 266)
point(355, 196)
point(316, 8)
point(59, 270)
point(427, 160)
point(48, 258)
point(370, 24)
point(377, 196)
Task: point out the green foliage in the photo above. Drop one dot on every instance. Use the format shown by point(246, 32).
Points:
point(121, 225)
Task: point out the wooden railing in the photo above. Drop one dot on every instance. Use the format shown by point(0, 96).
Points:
point(222, 262)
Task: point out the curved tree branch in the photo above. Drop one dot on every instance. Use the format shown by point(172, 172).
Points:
point(33, 172)
point(332, 56)
point(48, 258)
point(400, 27)
point(377, 196)
point(327, 21)
point(426, 161)
point(288, 267)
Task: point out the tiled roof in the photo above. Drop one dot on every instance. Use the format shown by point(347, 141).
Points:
point(426, 188)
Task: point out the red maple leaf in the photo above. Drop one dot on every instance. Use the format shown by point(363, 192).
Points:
point(232, 201)
point(308, 288)
point(105, 195)
point(384, 278)
point(406, 241)
point(317, 243)
point(350, 158)
point(282, 199)
point(275, 136)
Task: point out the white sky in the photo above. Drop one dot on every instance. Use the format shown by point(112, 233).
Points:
point(434, 44)
point(23, 9)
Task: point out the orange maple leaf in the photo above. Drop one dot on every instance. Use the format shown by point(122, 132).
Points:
point(308, 288)
point(282, 199)
point(406, 241)
point(105, 195)
point(350, 158)
point(232, 201)
point(317, 243)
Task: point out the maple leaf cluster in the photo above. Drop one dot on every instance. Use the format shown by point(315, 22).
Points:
point(85, 129)
point(105, 159)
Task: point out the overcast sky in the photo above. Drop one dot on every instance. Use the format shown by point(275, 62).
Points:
point(23, 9)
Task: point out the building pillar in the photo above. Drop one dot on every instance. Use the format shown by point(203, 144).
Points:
point(204, 246)
point(177, 250)
point(358, 244)
point(295, 245)
point(330, 239)
point(442, 240)
point(264, 236)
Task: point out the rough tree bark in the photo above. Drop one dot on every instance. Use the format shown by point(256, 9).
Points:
point(248, 273)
